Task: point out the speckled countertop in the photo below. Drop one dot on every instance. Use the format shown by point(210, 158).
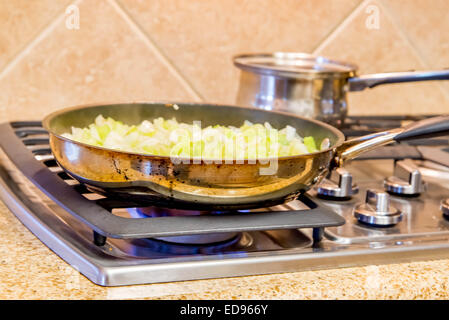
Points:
point(29, 270)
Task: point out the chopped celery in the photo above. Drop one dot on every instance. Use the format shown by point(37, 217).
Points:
point(309, 142)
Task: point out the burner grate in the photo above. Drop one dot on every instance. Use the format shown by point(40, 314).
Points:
point(26, 145)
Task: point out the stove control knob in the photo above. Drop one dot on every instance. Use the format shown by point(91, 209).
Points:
point(342, 189)
point(407, 179)
point(377, 210)
point(445, 208)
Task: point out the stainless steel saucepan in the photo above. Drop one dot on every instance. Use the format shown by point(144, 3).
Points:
point(158, 180)
point(309, 85)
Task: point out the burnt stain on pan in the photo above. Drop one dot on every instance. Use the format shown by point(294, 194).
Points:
point(118, 170)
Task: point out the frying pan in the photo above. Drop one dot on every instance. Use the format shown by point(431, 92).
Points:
point(206, 185)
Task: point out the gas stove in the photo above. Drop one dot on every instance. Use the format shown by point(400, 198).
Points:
point(388, 206)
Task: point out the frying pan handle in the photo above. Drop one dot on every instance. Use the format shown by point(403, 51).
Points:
point(372, 80)
point(427, 128)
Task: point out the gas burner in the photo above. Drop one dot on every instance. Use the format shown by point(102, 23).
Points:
point(239, 241)
point(339, 186)
point(377, 210)
point(193, 239)
point(155, 212)
point(406, 181)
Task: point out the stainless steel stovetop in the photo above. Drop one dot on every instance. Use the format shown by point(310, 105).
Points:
point(308, 236)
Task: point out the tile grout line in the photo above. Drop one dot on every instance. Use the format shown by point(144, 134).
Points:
point(156, 50)
point(27, 48)
point(417, 53)
point(332, 35)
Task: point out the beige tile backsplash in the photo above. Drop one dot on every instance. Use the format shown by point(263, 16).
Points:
point(21, 21)
point(136, 50)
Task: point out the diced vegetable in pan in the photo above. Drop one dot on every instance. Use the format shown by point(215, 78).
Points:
point(172, 138)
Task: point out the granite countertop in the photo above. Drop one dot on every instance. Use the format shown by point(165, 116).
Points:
point(30, 270)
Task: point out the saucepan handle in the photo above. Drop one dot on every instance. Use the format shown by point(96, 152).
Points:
point(427, 128)
point(372, 80)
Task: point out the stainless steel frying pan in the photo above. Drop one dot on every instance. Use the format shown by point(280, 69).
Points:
point(157, 180)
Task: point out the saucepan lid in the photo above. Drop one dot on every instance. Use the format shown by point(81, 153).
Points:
point(294, 65)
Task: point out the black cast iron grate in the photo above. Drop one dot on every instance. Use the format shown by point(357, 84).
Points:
point(26, 145)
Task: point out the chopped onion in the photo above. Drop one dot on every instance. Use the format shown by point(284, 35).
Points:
point(171, 138)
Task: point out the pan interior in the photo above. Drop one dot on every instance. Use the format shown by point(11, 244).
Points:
point(134, 113)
